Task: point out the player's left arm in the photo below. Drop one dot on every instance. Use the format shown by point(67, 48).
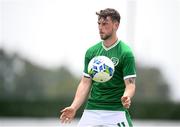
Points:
point(129, 91)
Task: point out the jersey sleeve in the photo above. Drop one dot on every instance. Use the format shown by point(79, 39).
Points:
point(129, 68)
point(86, 62)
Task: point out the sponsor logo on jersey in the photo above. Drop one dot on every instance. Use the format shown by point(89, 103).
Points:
point(115, 60)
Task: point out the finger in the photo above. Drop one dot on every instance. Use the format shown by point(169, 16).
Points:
point(127, 105)
point(128, 100)
point(124, 98)
point(67, 120)
point(63, 110)
point(62, 118)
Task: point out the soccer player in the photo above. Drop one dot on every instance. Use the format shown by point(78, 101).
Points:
point(108, 102)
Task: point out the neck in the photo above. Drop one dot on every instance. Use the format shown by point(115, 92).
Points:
point(110, 41)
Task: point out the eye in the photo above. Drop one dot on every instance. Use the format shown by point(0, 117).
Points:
point(104, 23)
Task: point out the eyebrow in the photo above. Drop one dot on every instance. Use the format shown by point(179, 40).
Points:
point(103, 20)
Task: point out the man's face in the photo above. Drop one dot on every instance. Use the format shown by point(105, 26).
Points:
point(106, 27)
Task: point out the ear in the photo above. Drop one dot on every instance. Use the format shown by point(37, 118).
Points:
point(116, 25)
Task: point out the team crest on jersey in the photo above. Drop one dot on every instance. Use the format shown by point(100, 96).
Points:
point(115, 60)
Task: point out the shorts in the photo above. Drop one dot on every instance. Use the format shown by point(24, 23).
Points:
point(104, 118)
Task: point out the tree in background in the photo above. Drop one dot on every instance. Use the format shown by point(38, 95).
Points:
point(30, 90)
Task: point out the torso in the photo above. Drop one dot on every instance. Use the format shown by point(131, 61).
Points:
point(106, 96)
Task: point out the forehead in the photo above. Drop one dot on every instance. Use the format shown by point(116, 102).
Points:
point(104, 19)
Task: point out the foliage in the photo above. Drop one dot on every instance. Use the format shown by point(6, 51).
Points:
point(151, 85)
point(21, 80)
point(30, 90)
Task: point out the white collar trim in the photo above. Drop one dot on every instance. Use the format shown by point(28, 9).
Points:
point(112, 46)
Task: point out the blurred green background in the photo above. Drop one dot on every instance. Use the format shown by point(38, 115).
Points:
point(28, 90)
point(42, 47)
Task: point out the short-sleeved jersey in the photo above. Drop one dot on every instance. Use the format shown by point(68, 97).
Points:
point(107, 95)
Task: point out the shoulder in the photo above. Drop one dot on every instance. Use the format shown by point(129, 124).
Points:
point(94, 48)
point(97, 45)
point(125, 49)
point(124, 46)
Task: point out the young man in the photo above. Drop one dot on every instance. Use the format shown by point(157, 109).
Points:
point(108, 102)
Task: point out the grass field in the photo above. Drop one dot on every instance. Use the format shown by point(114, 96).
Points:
point(52, 122)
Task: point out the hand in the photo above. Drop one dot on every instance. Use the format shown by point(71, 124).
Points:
point(126, 101)
point(67, 115)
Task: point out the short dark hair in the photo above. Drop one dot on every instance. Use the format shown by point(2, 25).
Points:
point(115, 16)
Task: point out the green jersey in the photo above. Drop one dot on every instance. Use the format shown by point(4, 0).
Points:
point(107, 95)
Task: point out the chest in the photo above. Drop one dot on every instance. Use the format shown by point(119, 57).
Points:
point(114, 54)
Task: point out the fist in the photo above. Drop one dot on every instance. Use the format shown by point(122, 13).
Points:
point(126, 101)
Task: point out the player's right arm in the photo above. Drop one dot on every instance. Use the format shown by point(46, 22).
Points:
point(83, 89)
point(81, 93)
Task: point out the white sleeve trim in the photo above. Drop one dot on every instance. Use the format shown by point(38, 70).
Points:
point(129, 76)
point(86, 75)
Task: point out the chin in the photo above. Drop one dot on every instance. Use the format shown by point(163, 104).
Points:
point(104, 38)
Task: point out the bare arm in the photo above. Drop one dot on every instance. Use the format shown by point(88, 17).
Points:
point(83, 89)
point(129, 92)
point(81, 93)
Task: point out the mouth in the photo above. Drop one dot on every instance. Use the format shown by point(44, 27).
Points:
point(101, 33)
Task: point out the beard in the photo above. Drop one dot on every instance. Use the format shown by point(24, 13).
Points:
point(105, 36)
